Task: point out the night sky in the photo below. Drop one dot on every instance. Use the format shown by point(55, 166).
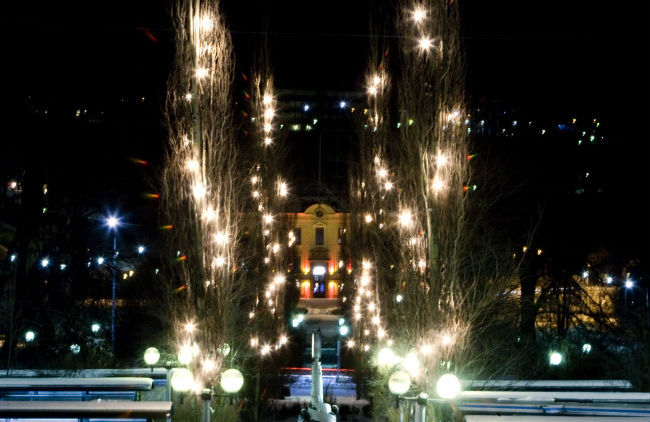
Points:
point(551, 58)
point(564, 55)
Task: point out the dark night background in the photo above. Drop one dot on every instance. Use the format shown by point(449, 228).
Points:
point(549, 60)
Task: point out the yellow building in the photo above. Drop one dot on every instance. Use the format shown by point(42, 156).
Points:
point(320, 234)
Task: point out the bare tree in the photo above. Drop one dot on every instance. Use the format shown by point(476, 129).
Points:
point(428, 276)
point(203, 194)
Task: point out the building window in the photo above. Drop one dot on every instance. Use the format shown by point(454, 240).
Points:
point(342, 232)
point(320, 236)
point(297, 233)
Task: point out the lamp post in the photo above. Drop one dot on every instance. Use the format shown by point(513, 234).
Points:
point(398, 384)
point(151, 357)
point(231, 382)
point(629, 284)
point(343, 331)
point(113, 222)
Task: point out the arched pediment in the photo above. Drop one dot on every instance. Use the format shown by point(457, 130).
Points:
point(326, 209)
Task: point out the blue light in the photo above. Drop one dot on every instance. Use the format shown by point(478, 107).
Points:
point(112, 222)
point(343, 104)
point(45, 262)
point(140, 249)
point(100, 260)
point(305, 107)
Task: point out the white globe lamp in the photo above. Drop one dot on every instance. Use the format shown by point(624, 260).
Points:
point(399, 382)
point(448, 386)
point(151, 356)
point(231, 381)
point(181, 380)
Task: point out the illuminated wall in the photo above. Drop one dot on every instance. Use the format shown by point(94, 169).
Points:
point(321, 233)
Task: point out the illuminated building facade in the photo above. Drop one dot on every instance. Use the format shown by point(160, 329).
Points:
point(320, 234)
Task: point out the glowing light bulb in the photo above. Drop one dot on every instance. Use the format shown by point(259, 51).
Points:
point(190, 327)
point(368, 218)
point(405, 218)
point(453, 115)
point(388, 185)
point(411, 364)
point(267, 127)
point(437, 185)
point(283, 190)
point(199, 190)
point(192, 165)
point(221, 238)
point(419, 14)
point(201, 73)
point(425, 43)
point(267, 99)
point(185, 354)
point(206, 23)
point(209, 365)
point(372, 90)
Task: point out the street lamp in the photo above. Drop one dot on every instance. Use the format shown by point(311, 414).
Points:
point(448, 386)
point(399, 383)
point(628, 285)
point(343, 331)
point(181, 379)
point(151, 357)
point(231, 381)
point(113, 222)
point(555, 358)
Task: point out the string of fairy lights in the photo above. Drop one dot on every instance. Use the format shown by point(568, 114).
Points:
point(268, 191)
